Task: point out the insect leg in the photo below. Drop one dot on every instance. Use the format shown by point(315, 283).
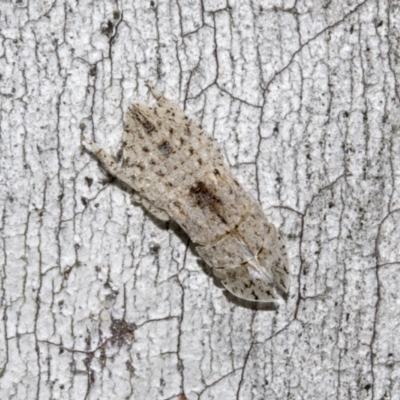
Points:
point(161, 100)
point(109, 163)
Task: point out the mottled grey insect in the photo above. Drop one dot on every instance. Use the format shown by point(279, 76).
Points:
point(178, 172)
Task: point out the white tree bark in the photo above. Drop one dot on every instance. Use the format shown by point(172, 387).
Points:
point(101, 301)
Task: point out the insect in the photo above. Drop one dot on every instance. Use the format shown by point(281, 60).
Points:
point(178, 172)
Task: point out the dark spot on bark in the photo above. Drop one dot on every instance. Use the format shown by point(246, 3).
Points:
point(160, 173)
point(140, 166)
point(182, 141)
point(89, 181)
point(199, 161)
point(93, 70)
point(84, 200)
point(185, 117)
point(116, 14)
point(121, 332)
point(191, 150)
point(187, 130)
point(236, 182)
point(165, 148)
point(67, 271)
point(216, 172)
point(171, 131)
point(152, 162)
point(107, 28)
point(154, 248)
point(146, 149)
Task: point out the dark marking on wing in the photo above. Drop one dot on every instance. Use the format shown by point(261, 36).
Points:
point(203, 196)
point(140, 166)
point(165, 148)
point(178, 205)
point(148, 127)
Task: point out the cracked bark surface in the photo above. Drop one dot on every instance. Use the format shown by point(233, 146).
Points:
point(98, 300)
